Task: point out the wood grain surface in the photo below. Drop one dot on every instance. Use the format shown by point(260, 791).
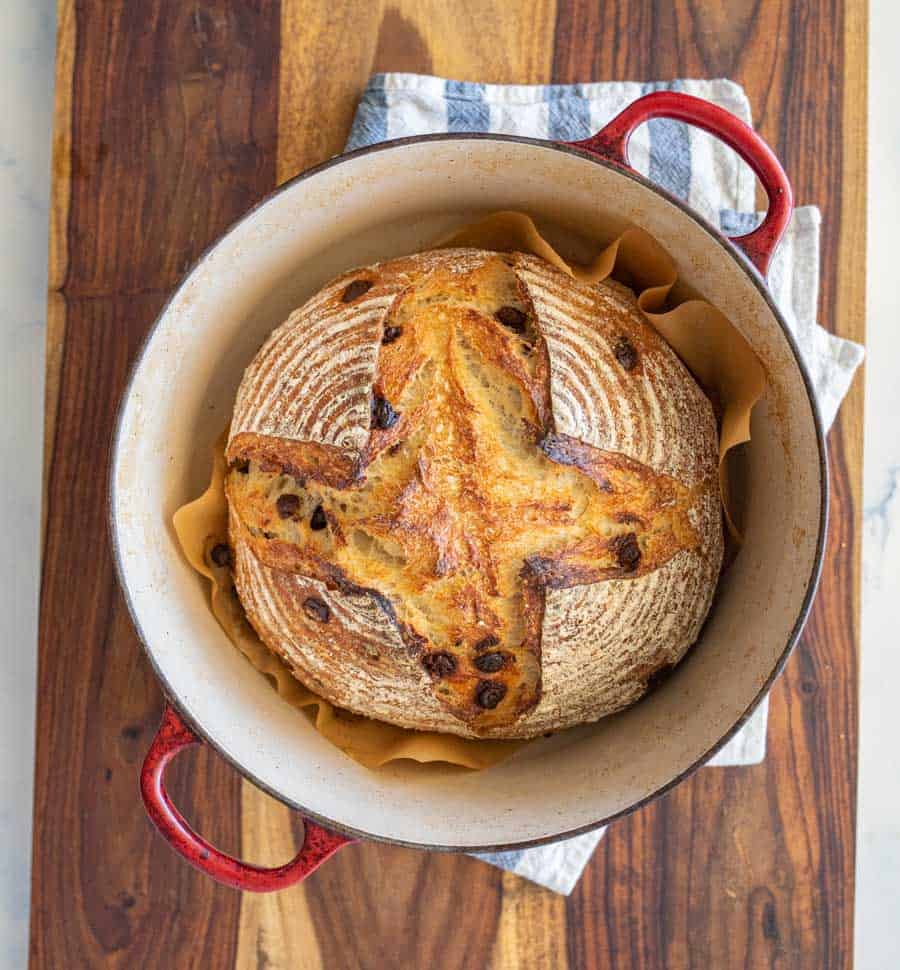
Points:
point(171, 120)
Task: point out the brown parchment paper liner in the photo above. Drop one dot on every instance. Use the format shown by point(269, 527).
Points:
point(711, 347)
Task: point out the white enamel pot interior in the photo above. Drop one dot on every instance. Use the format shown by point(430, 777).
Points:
point(373, 205)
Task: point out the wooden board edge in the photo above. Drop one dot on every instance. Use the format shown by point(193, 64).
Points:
point(58, 252)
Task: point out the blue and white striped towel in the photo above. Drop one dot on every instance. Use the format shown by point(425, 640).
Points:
point(693, 166)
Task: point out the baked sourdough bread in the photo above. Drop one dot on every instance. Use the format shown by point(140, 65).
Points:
point(470, 494)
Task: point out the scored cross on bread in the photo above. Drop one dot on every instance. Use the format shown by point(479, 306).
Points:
point(462, 500)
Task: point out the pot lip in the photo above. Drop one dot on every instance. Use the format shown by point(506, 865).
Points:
point(729, 248)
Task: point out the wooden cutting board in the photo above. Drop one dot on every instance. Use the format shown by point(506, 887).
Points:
point(172, 118)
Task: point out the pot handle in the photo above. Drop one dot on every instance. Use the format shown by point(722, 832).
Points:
point(174, 736)
point(611, 144)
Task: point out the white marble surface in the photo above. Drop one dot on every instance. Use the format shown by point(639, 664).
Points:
point(878, 807)
point(26, 65)
point(26, 71)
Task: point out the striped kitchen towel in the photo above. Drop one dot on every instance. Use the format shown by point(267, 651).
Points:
point(690, 164)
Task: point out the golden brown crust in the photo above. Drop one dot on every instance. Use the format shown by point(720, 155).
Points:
point(328, 464)
point(458, 497)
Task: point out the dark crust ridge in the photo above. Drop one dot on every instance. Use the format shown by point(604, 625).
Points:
point(327, 464)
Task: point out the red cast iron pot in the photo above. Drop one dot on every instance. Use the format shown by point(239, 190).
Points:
point(372, 204)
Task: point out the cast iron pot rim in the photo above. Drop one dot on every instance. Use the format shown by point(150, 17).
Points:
point(758, 281)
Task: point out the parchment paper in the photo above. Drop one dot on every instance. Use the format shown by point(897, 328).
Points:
point(713, 350)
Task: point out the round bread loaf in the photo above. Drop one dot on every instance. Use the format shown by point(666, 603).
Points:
point(470, 494)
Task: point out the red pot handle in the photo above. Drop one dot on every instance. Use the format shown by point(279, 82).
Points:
point(174, 736)
point(611, 144)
